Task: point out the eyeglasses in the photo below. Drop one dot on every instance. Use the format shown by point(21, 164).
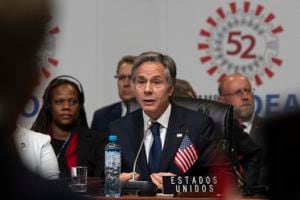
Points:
point(241, 92)
point(123, 77)
point(60, 102)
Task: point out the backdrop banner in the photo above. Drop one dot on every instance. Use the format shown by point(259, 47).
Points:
point(208, 39)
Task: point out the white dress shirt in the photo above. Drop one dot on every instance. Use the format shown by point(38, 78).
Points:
point(164, 121)
point(36, 152)
point(248, 125)
point(124, 109)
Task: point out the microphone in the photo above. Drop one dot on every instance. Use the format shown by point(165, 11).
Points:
point(134, 187)
point(149, 124)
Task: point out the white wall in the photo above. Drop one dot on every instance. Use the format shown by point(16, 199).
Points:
point(95, 34)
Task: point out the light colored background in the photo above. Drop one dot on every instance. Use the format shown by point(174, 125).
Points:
point(94, 34)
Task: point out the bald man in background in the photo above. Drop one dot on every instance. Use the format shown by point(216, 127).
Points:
point(236, 89)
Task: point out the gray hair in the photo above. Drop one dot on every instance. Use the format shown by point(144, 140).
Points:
point(151, 56)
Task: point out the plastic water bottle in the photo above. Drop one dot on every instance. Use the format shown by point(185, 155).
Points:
point(112, 186)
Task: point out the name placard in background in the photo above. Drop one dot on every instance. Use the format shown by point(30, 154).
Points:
point(181, 184)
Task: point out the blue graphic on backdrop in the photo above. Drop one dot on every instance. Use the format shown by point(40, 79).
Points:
point(269, 104)
point(35, 108)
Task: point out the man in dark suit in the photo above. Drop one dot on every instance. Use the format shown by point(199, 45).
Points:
point(103, 116)
point(178, 141)
point(235, 89)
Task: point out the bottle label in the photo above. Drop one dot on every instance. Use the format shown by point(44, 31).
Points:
point(112, 159)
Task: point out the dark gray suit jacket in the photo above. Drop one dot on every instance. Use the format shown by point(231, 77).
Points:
point(103, 116)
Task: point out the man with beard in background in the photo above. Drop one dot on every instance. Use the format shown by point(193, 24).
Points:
point(236, 89)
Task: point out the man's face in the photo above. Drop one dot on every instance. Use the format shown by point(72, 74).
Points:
point(125, 87)
point(152, 89)
point(64, 105)
point(237, 91)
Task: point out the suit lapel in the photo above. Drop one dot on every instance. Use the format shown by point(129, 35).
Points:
point(173, 138)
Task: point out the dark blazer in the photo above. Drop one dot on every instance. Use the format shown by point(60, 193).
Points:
point(199, 128)
point(103, 116)
point(256, 133)
point(90, 152)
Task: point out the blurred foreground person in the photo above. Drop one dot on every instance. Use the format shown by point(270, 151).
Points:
point(63, 117)
point(282, 135)
point(23, 28)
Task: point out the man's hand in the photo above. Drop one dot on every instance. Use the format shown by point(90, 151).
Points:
point(157, 178)
point(127, 176)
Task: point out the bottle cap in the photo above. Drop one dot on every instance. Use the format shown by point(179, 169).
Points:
point(112, 138)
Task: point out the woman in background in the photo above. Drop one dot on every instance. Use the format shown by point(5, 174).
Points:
point(63, 117)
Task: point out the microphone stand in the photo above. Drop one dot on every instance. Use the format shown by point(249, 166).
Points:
point(142, 188)
point(149, 124)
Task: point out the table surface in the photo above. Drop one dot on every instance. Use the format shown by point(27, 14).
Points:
point(162, 197)
point(94, 185)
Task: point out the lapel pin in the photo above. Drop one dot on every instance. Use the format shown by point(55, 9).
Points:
point(179, 135)
point(23, 146)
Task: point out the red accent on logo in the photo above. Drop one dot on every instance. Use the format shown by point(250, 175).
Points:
point(258, 10)
point(203, 46)
point(233, 7)
point(212, 70)
point(205, 59)
point(211, 21)
point(278, 29)
point(269, 72)
point(229, 43)
point(258, 80)
point(54, 30)
point(221, 13)
point(221, 77)
point(204, 33)
point(45, 72)
point(53, 61)
point(47, 59)
point(277, 61)
point(269, 18)
point(246, 6)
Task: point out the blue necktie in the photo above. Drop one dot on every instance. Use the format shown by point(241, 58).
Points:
point(155, 151)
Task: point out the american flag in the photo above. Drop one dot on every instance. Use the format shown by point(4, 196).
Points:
point(186, 155)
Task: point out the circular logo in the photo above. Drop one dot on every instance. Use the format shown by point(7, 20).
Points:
point(241, 40)
point(46, 61)
point(47, 55)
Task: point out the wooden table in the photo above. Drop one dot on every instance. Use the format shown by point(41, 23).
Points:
point(94, 190)
point(159, 197)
